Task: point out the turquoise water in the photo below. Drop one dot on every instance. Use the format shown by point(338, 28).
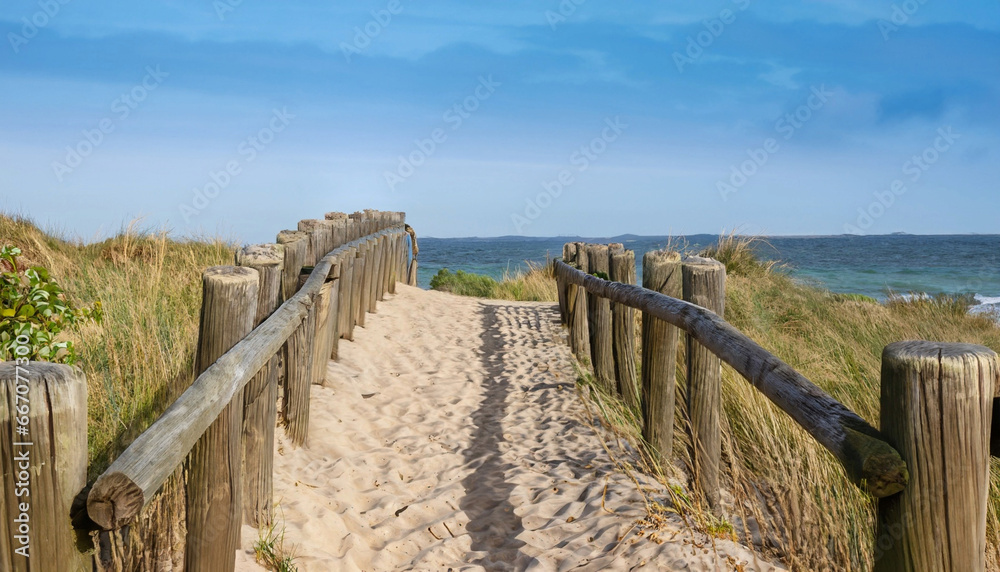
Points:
point(870, 265)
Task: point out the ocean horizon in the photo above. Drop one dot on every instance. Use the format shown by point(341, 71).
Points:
point(873, 265)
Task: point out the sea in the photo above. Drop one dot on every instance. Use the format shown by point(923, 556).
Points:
point(877, 266)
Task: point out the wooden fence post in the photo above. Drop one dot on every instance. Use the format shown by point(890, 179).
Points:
point(214, 507)
point(411, 273)
point(569, 257)
point(364, 281)
point(936, 410)
point(260, 396)
point(43, 444)
point(347, 261)
point(579, 327)
point(359, 288)
point(296, 245)
point(599, 317)
point(299, 374)
point(705, 285)
point(623, 321)
point(374, 277)
point(661, 272)
point(326, 325)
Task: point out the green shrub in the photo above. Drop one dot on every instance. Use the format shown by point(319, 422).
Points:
point(464, 283)
point(33, 312)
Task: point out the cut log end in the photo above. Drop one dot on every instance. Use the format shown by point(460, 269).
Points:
point(114, 501)
point(873, 465)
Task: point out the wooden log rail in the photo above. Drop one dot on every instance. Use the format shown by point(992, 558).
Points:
point(128, 485)
point(869, 460)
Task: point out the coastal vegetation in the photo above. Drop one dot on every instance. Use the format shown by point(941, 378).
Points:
point(137, 297)
point(789, 497)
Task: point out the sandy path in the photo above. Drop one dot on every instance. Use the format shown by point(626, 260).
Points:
point(452, 437)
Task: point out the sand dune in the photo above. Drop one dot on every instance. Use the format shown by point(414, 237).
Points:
point(451, 437)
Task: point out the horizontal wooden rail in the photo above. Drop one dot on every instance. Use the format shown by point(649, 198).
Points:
point(870, 462)
point(122, 491)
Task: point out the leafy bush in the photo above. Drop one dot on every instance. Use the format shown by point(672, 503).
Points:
point(34, 308)
point(464, 283)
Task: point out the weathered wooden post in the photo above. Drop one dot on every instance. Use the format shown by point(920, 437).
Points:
point(623, 321)
point(347, 261)
point(260, 396)
point(599, 316)
point(296, 245)
point(367, 262)
point(360, 303)
point(317, 240)
point(661, 272)
point(705, 285)
point(214, 490)
point(326, 324)
point(569, 257)
point(579, 326)
point(411, 275)
point(43, 455)
point(375, 277)
point(936, 410)
point(299, 374)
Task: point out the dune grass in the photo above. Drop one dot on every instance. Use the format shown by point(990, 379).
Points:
point(141, 356)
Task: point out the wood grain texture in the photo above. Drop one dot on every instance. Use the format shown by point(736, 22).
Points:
point(260, 396)
point(623, 331)
point(869, 461)
point(45, 468)
point(579, 327)
point(296, 245)
point(936, 407)
point(599, 319)
point(133, 478)
point(661, 272)
point(215, 480)
point(373, 276)
point(347, 262)
point(363, 281)
point(705, 285)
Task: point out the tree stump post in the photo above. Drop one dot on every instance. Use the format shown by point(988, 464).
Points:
point(623, 324)
point(214, 490)
point(936, 409)
point(260, 396)
point(705, 285)
point(661, 272)
point(599, 317)
point(43, 456)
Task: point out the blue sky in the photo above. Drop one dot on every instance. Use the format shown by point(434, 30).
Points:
point(572, 118)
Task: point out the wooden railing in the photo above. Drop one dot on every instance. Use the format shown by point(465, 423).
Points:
point(928, 466)
point(274, 319)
